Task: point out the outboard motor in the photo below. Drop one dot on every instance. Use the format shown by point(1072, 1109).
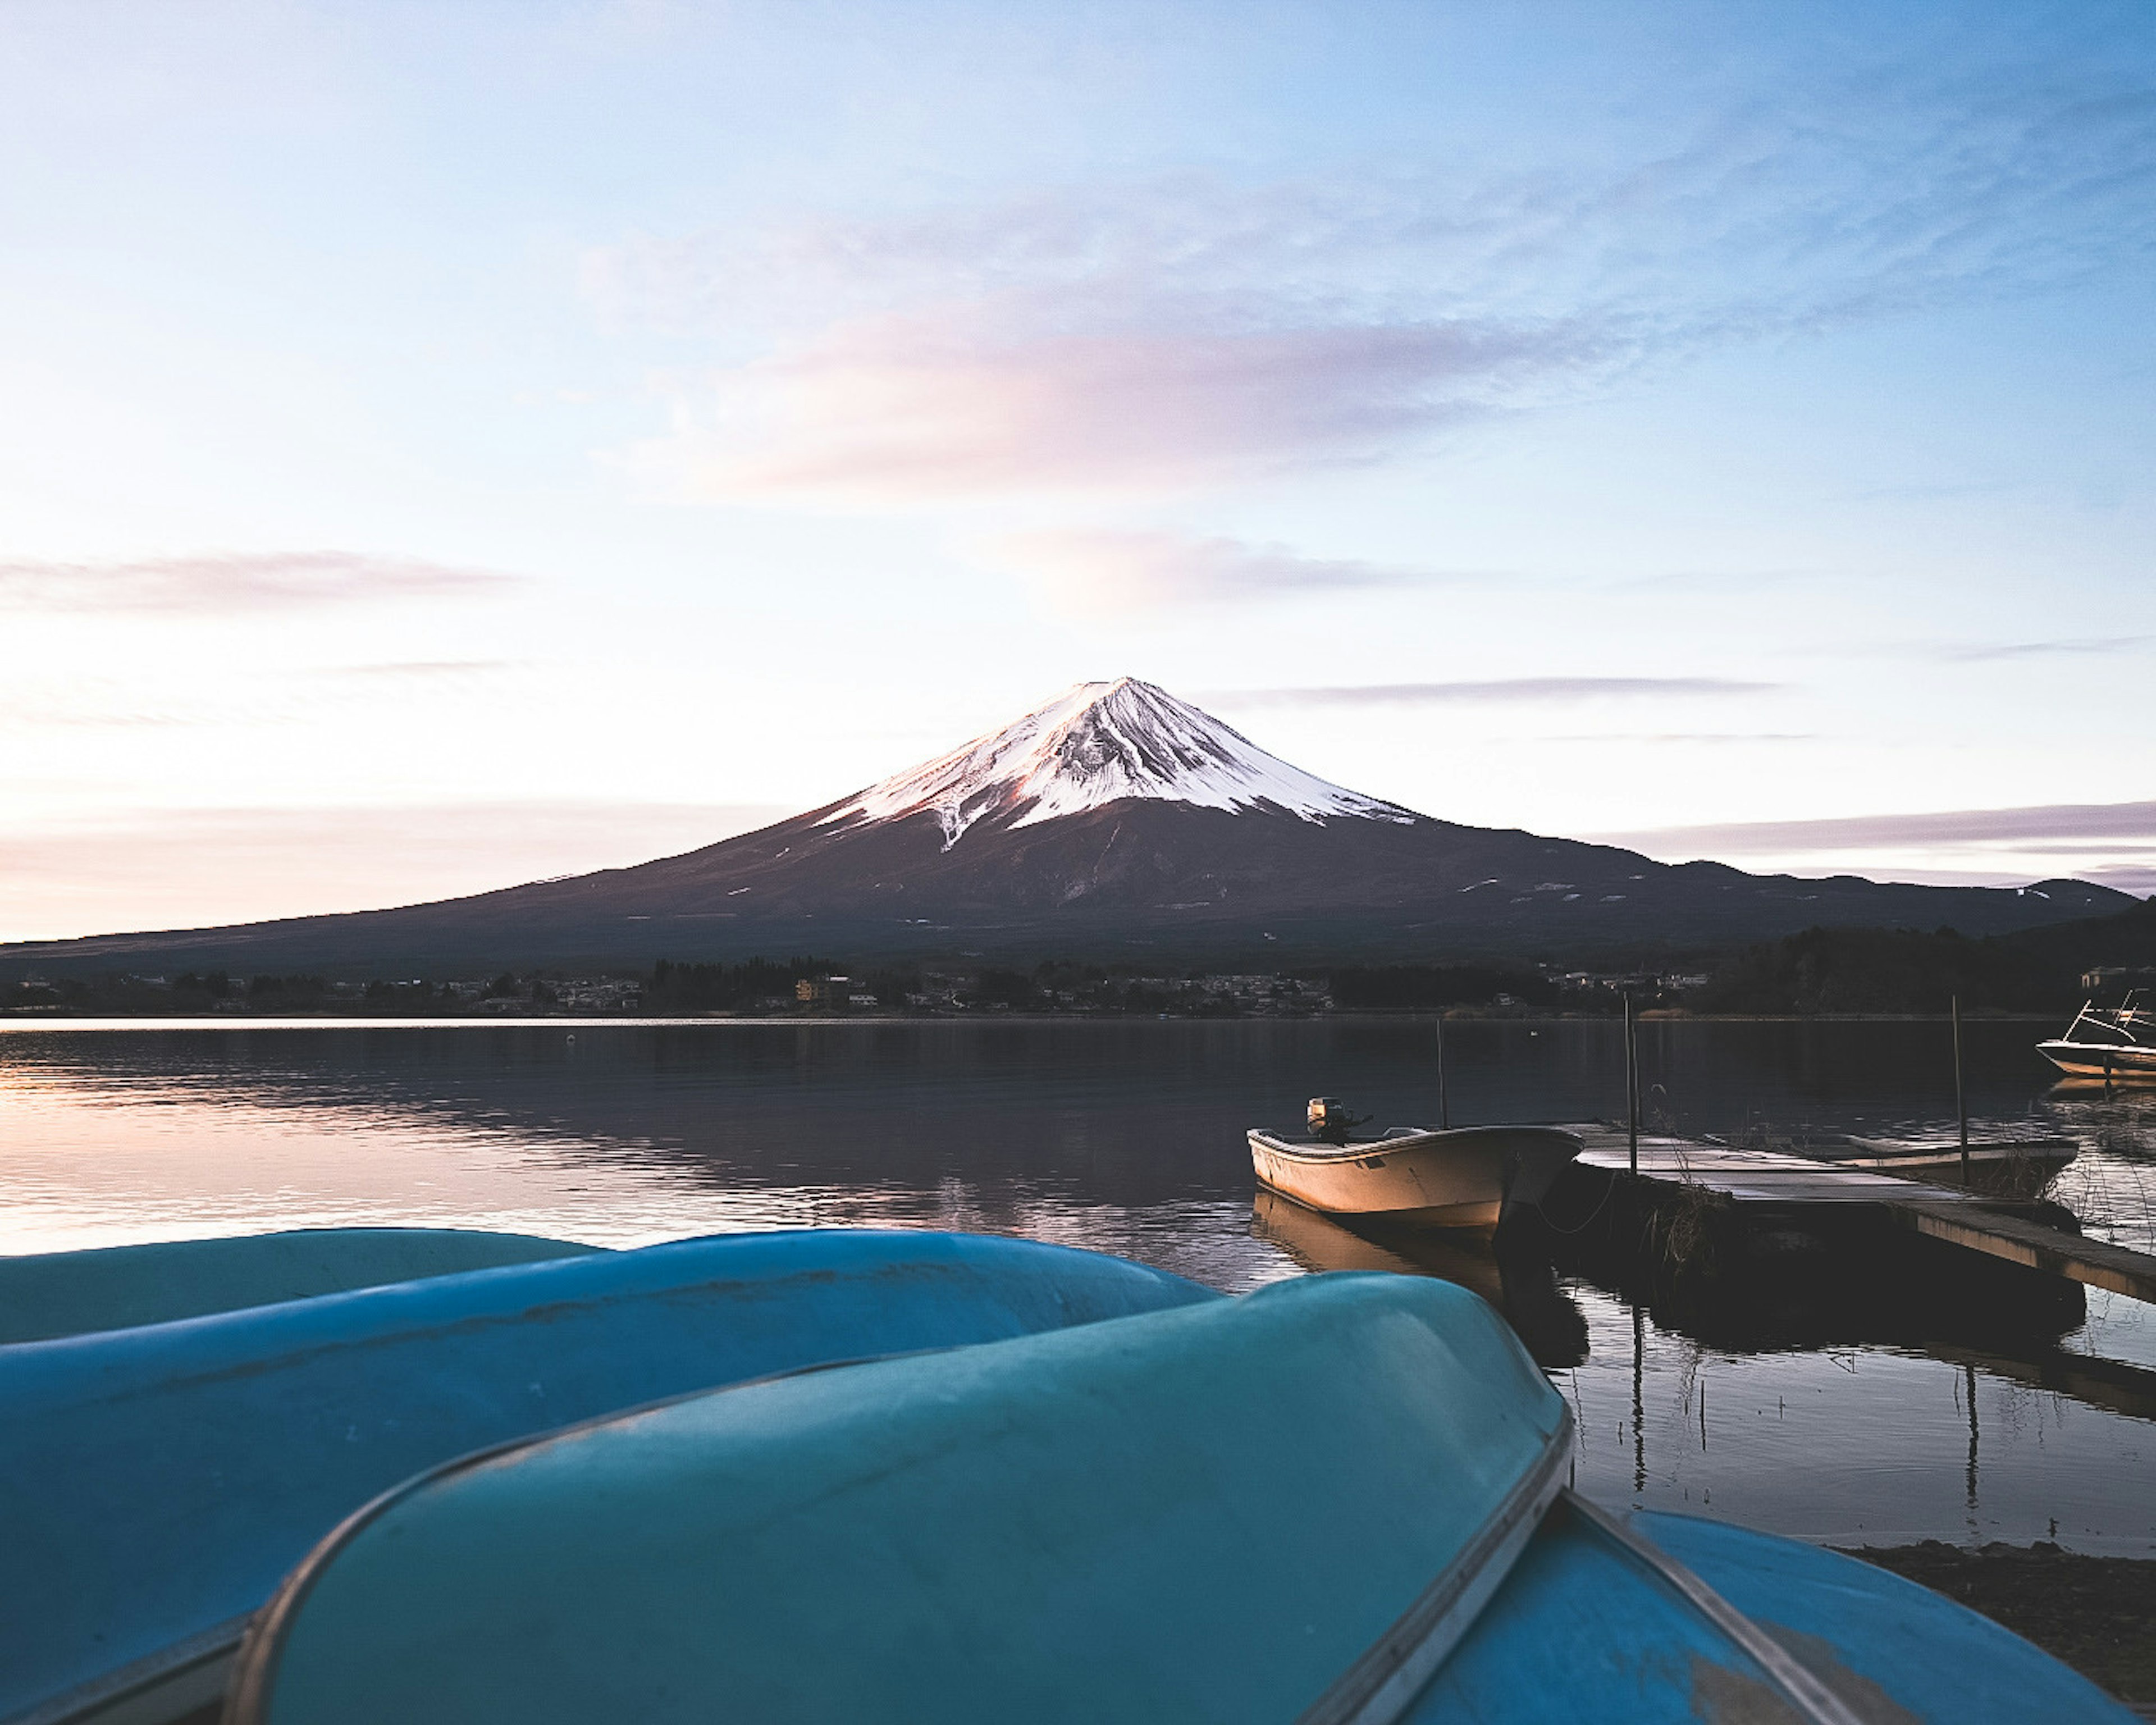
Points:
point(1331, 1122)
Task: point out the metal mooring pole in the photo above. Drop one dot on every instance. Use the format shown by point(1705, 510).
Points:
point(1961, 1096)
point(1631, 1088)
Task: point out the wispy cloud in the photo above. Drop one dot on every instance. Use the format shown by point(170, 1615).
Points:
point(1099, 571)
point(214, 582)
point(1942, 491)
point(427, 668)
point(1189, 330)
point(1932, 650)
point(2083, 647)
point(2051, 822)
point(1500, 689)
point(1683, 737)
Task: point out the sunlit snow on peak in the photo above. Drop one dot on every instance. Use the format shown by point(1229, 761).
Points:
point(1101, 743)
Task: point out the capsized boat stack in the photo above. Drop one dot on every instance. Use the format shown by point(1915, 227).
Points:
point(852, 1474)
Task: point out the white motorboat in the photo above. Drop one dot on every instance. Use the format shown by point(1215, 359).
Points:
point(1459, 1177)
point(2111, 1043)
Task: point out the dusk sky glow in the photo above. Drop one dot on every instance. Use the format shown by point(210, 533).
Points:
point(447, 446)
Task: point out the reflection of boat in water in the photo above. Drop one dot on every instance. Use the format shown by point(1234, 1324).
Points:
point(1520, 1283)
point(1461, 1177)
point(1335, 1499)
point(2015, 1167)
point(2110, 1043)
point(1318, 1244)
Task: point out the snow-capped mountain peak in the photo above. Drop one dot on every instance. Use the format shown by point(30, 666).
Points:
point(1100, 743)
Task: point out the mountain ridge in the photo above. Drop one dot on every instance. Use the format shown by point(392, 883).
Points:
point(1113, 819)
point(1098, 743)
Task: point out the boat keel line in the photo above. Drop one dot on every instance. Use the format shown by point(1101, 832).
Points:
point(1384, 1683)
point(1813, 1700)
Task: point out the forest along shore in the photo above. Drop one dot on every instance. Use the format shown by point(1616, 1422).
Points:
point(1748, 987)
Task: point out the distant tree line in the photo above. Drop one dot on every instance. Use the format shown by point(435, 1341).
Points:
point(1820, 970)
point(1889, 970)
point(194, 992)
point(754, 984)
point(727, 988)
point(1429, 987)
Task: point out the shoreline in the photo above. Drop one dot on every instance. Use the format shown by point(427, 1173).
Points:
point(2098, 1614)
point(40, 1018)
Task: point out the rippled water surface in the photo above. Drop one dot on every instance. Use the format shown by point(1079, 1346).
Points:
point(1891, 1420)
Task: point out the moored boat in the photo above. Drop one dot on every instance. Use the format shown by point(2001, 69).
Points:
point(2016, 1168)
point(1340, 1498)
point(156, 1482)
point(2115, 1044)
point(1457, 1177)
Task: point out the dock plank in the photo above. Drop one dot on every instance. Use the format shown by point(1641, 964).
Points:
point(1957, 1217)
point(2092, 1262)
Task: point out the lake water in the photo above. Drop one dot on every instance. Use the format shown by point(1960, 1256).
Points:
point(1874, 1424)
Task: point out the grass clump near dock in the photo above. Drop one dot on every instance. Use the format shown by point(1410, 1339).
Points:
point(2098, 1614)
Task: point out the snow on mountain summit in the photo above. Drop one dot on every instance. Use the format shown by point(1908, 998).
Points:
point(1100, 743)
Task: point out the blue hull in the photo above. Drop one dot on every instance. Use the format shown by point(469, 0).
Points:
point(45, 1294)
point(1339, 1499)
point(156, 1483)
point(1583, 1629)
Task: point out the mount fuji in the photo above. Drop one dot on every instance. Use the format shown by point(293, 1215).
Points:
point(1114, 821)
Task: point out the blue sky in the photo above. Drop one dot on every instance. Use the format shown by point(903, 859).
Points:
point(447, 445)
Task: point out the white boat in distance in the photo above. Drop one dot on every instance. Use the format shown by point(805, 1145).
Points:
point(2107, 1042)
point(1459, 1177)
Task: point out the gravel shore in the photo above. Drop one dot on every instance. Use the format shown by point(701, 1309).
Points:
point(2097, 1614)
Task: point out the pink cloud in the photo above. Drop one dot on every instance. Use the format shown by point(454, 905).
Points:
point(939, 405)
point(1195, 329)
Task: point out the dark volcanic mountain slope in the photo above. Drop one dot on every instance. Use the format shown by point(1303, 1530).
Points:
point(1115, 820)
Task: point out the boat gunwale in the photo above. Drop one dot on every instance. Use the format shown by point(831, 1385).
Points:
point(1388, 1678)
point(2099, 1051)
point(1316, 1151)
point(148, 1688)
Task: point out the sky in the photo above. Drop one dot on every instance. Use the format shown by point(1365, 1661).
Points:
point(443, 446)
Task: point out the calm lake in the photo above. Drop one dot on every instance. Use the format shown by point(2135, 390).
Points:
point(1865, 1425)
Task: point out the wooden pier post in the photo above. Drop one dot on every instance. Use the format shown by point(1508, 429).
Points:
point(1631, 1088)
point(1443, 1107)
point(1961, 1096)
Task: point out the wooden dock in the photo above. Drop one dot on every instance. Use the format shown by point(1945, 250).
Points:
point(1770, 1184)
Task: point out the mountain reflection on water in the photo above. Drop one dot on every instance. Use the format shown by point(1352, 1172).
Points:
point(1860, 1407)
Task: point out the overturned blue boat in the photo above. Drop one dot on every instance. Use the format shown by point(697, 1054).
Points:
point(45, 1295)
point(158, 1480)
point(1339, 1499)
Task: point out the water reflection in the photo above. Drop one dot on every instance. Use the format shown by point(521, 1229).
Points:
point(1513, 1276)
point(1838, 1403)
